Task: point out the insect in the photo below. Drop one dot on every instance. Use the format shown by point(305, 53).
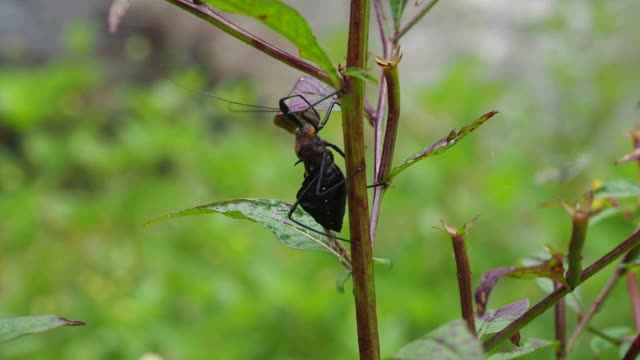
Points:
point(323, 193)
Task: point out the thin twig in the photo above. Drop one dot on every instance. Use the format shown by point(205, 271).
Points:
point(382, 27)
point(413, 22)
point(584, 320)
point(634, 294)
point(376, 203)
point(550, 300)
point(561, 326)
point(205, 12)
point(634, 349)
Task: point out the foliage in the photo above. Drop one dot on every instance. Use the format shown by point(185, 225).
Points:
point(85, 163)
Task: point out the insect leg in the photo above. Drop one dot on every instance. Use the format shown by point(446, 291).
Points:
point(295, 206)
point(327, 115)
point(336, 148)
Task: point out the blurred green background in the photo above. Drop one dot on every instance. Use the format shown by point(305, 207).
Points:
point(96, 139)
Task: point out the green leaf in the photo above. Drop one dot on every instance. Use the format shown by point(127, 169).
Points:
point(618, 189)
point(494, 321)
point(272, 214)
point(12, 328)
point(382, 261)
point(605, 214)
point(613, 337)
point(341, 280)
point(573, 299)
point(361, 74)
point(397, 8)
point(443, 144)
point(286, 21)
point(451, 341)
point(527, 348)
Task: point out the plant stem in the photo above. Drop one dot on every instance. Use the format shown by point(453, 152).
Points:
point(634, 349)
point(464, 281)
point(361, 249)
point(551, 299)
point(205, 12)
point(634, 294)
point(580, 220)
point(412, 22)
point(620, 270)
point(561, 325)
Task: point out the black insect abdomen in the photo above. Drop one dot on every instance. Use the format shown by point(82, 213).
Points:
point(326, 206)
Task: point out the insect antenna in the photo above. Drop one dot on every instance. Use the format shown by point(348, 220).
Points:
point(255, 108)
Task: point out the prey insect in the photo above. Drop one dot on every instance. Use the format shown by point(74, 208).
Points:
point(323, 192)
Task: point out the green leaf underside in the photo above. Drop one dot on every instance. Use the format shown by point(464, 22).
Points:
point(397, 8)
point(618, 189)
point(361, 74)
point(527, 348)
point(443, 144)
point(271, 214)
point(341, 280)
point(494, 321)
point(286, 21)
point(451, 341)
point(12, 328)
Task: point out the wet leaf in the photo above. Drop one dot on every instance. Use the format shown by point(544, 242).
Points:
point(443, 144)
point(451, 341)
point(12, 328)
point(527, 348)
point(271, 214)
point(494, 321)
point(618, 189)
point(397, 8)
point(286, 21)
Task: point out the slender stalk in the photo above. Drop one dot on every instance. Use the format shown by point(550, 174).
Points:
point(561, 326)
point(464, 281)
point(634, 294)
point(605, 337)
point(205, 12)
point(634, 349)
point(580, 220)
point(382, 27)
point(376, 203)
point(550, 300)
point(383, 164)
point(620, 270)
point(413, 22)
point(390, 71)
point(361, 250)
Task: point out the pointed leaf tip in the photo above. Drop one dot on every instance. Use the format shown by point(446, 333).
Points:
point(271, 214)
point(442, 145)
point(15, 327)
